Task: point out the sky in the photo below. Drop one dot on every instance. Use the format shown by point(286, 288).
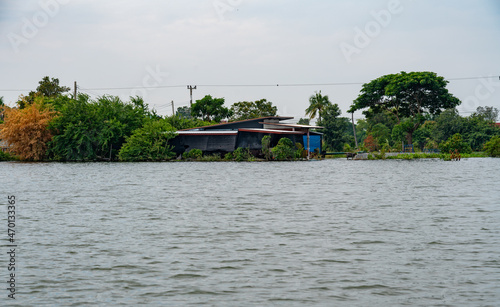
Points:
point(246, 50)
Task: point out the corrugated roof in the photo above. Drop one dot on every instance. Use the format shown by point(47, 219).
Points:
point(271, 131)
point(242, 121)
point(207, 132)
point(293, 125)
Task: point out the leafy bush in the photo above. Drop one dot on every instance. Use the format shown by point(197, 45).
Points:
point(242, 154)
point(266, 150)
point(149, 143)
point(300, 153)
point(95, 130)
point(492, 147)
point(228, 156)
point(194, 154)
point(5, 156)
point(347, 147)
point(284, 150)
point(455, 142)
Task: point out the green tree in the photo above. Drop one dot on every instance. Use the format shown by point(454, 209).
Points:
point(184, 112)
point(400, 131)
point(94, 130)
point(210, 109)
point(181, 122)
point(448, 123)
point(247, 109)
point(477, 131)
point(362, 128)
point(317, 103)
point(304, 121)
point(337, 130)
point(492, 147)
point(381, 133)
point(386, 118)
point(455, 143)
point(47, 87)
point(149, 143)
point(425, 135)
point(284, 150)
point(50, 88)
point(406, 95)
point(489, 114)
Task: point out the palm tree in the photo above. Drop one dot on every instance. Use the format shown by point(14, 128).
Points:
point(317, 103)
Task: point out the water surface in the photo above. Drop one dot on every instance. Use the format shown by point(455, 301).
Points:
point(324, 233)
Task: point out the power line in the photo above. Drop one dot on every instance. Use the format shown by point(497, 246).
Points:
point(242, 85)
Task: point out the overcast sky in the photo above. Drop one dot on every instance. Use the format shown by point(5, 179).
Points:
point(127, 47)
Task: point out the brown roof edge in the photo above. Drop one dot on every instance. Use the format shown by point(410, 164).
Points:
point(293, 125)
point(245, 120)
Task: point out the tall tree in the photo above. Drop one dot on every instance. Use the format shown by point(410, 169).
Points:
point(406, 95)
point(47, 87)
point(184, 112)
point(487, 113)
point(26, 130)
point(210, 109)
point(337, 130)
point(317, 103)
point(247, 109)
point(50, 88)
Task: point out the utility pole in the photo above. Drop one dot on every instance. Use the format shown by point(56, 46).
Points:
point(74, 93)
point(173, 111)
point(191, 88)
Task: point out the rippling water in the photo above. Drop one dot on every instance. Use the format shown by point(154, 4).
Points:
point(324, 233)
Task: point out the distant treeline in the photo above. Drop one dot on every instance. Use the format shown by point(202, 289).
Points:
point(50, 125)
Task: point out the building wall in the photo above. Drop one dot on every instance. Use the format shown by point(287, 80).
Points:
point(206, 143)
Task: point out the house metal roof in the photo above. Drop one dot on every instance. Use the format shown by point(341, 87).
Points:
point(207, 132)
point(271, 131)
point(241, 121)
point(292, 125)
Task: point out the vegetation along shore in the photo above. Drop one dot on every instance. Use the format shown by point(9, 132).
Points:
point(407, 116)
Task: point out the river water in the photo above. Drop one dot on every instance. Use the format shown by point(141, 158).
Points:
point(319, 233)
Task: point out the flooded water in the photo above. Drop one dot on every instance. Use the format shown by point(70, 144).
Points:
point(323, 233)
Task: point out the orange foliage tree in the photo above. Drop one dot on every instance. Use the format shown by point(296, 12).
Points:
point(26, 130)
point(371, 143)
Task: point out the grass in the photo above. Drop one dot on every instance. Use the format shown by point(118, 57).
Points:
point(443, 156)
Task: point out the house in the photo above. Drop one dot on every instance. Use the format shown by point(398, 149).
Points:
point(4, 146)
point(227, 137)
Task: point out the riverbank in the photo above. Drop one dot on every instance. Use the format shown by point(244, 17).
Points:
point(417, 155)
point(251, 158)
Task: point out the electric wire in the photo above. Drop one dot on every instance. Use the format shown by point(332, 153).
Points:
point(241, 85)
